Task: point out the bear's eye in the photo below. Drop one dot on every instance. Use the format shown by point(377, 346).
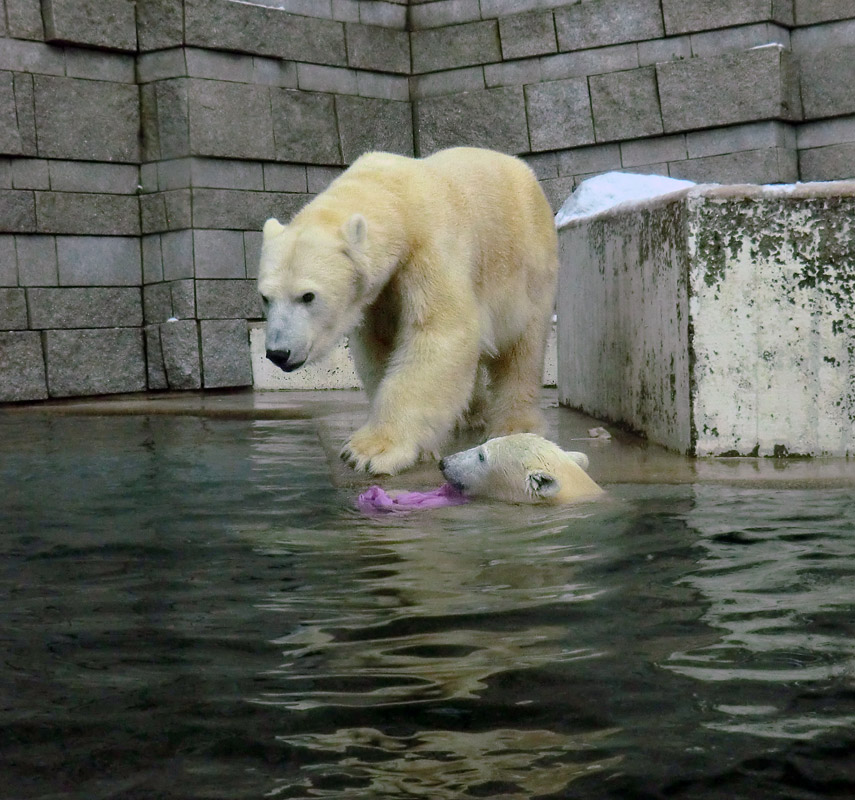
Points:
point(481, 456)
point(307, 298)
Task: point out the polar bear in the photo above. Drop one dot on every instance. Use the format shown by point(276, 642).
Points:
point(520, 468)
point(439, 269)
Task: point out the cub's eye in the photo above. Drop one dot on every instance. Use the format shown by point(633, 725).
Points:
point(307, 298)
point(481, 456)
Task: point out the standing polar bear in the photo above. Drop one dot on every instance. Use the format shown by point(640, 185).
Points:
point(434, 267)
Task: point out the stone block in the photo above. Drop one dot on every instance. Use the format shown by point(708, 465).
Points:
point(383, 87)
point(226, 174)
point(304, 127)
point(218, 254)
point(174, 174)
point(24, 19)
point(149, 132)
point(584, 63)
point(643, 152)
point(728, 89)
point(512, 73)
point(236, 210)
point(163, 65)
point(91, 307)
point(769, 165)
point(285, 178)
point(252, 252)
point(589, 160)
point(177, 250)
point(745, 37)
point(10, 137)
point(92, 362)
point(366, 124)
point(160, 24)
point(157, 303)
point(455, 46)
point(242, 27)
point(98, 261)
point(812, 12)
point(444, 12)
point(656, 51)
point(493, 118)
point(525, 35)
point(225, 353)
point(183, 298)
point(557, 190)
point(382, 49)
point(826, 132)
point(829, 163)
point(559, 114)
point(598, 23)
point(227, 299)
point(753, 136)
point(625, 105)
point(30, 173)
point(273, 72)
point(384, 14)
point(155, 372)
point(87, 120)
point(321, 78)
point(229, 120)
point(17, 211)
point(179, 345)
point(152, 213)
point(25, 109)
point(8, 261)
point(172, 114)
point(37, 262)
point(152, 259)
point(218, 66)
point(22, 367)
point(318, 178)
point(13, 310)
point(22, 56)
point(78, 176)
point(455, 81)
point(109, 24)
point(97, 65)
point(688, 16)
point(826, 82)
point(93, 214)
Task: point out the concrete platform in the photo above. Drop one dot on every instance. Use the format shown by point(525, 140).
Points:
point(625, 458)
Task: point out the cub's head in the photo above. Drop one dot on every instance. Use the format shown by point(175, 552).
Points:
point(310, 279)
point(521, 468)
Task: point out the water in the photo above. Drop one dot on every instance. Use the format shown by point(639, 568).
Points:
point(190, 610)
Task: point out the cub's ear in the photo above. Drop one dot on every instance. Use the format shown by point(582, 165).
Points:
point(355, 231)
point(542, 484)
point(273, 227)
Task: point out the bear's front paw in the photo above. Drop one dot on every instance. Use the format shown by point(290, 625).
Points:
point(378, 452)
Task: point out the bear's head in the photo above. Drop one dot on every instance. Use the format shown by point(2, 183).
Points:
point(311, 283)
point(520, 468)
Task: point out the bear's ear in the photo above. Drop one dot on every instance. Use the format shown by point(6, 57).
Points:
point(273, 227)
point(542, 484)
point(355, 231)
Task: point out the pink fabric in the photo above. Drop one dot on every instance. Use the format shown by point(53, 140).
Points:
point(375, 500)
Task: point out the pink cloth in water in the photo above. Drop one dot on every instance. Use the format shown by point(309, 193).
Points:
point(375, 499)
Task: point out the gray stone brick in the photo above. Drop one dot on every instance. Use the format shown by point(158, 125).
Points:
point(656, 51)
point(469, 79)
point(728, 89)
point(811, 12)
point(382, 49)
point(13, 310)
point(513, 73)
point(827, 78)
point(524, 35)
point(225, 353)
point(831, 163)
point(304, 127)
point(557, 190)
point(99, 66)
point(382, 87)
point(8, 261)
point(826, 132)
point(177, 249)
point(228, 209)
point(543, 165)
point(173, 174)
point(90, 307)
point(183, 298)
point(149, 131)
point(227, 299)
point(30, 173)
point(224, 25)
point(10, 137)
point(252, 252)
point(772, 165)
point(173, 118)
point(273, 72)
point(588, 160)
point(22, 56)
point(320, 78)
point(153, 213)
point(155, 372)
point(5, 173)
point(179, 344)
point(225, 174)
point(493, 118)
point(559, 114)
point(219, 254)
point(444, 12)
point(218, 66)
point(87, 120)
point(160, 24)
point(687, 16)
point(714, 43)
point(98, 261)
point(93, 214)
point(345, 10)
point(98, 23)
point(152, 259)
point(285, 178)
point(456, 46)
point(318, 178)
point(17, 211)
point(162, 65)
point(604, 22)
point(79, 176)
point(37, 263)
point(653, 151)
point(589, 62)
point(178, 209)
point(25, 109)
point(390, 15)
point(230, 120)
point(22, 367)
point(95, 362)
point(754, 136)
point(157, 303)
point(24, 19)
point(625, 105)
point(365, 124)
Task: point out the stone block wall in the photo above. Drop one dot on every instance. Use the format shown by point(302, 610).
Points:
point(142, 144)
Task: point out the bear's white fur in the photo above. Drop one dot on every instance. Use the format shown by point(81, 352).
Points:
point(521, 468)
point(439, 269)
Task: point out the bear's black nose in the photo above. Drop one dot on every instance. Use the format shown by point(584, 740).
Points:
point(280, 358)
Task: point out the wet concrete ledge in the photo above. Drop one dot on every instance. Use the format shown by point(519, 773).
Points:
point(625, 458)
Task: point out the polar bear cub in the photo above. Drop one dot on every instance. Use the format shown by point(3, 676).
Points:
point(520, 468)
point(439, 270)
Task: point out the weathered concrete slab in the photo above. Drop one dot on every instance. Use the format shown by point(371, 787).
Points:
point(716, 321)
